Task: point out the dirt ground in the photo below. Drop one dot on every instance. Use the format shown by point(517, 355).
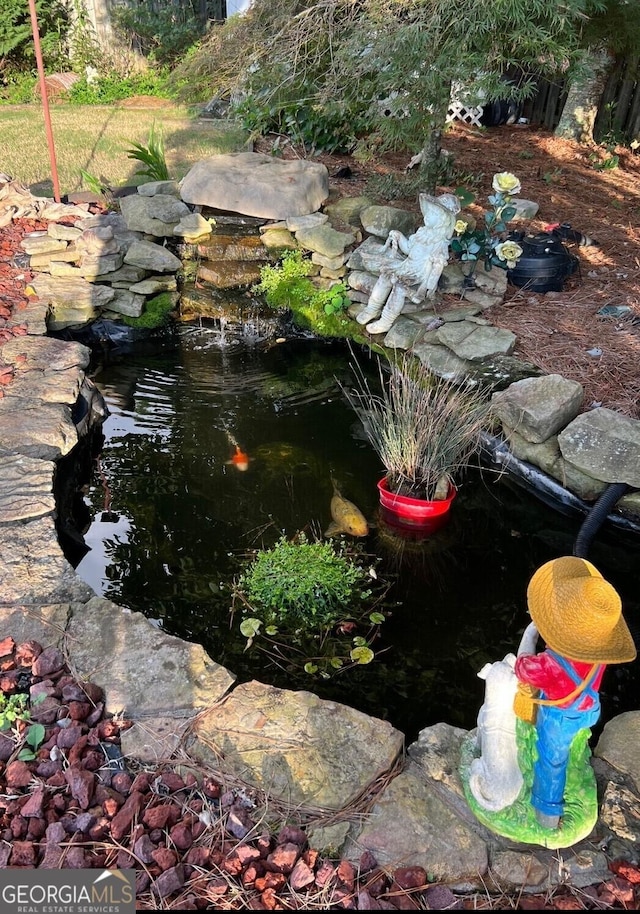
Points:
point(555, 330)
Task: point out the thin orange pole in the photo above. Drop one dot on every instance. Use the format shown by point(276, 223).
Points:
point(45, 101)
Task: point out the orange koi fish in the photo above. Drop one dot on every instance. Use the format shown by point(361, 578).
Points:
point(239, 459)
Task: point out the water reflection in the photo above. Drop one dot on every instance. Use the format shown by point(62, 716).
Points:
point(180, 519)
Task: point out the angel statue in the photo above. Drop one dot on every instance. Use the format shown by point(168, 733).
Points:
point(405, 263)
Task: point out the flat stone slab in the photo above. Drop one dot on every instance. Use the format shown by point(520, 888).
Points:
point(26, 488)
point(44, 624)
point(294, 745)
point(46, 352)
point(143, 671)
point(36, 429)
point(441, 361)
point(153, 739)
point(257, 185)
point(537, 408)
point(48, 386)
point(618, 744)
point(476, 342)
point(34, 571)
point(411, 824)
point(604, 444)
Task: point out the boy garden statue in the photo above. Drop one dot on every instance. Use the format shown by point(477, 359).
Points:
point(578, 614)
point(414, 261)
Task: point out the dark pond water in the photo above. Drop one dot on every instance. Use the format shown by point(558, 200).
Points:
point(171, 519)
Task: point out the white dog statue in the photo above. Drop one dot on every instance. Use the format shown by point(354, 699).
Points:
point(495, 779)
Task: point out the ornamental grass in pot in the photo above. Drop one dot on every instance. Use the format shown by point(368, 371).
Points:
point(423, 428)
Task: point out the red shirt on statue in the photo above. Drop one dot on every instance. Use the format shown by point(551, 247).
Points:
point(543, 672)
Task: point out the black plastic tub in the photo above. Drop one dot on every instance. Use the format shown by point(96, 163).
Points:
point(544, 265)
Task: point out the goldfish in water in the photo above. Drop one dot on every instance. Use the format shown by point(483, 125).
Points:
point(239, 460)
point(347, 518)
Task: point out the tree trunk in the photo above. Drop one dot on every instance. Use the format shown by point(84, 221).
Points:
point(581, 107)
point(431, 153)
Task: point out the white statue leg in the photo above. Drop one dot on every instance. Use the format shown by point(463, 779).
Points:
point(376, 301)
point(391, 310)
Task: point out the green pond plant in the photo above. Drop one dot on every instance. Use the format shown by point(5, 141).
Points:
point(423, 428)
point(310, 605)
point(289, 285)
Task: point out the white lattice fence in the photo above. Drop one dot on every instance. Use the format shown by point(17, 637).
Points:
point(459, 112)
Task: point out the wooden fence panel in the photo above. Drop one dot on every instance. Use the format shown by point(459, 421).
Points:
point(619, 111)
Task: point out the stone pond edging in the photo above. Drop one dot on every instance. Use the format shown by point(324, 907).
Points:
point(321, 758)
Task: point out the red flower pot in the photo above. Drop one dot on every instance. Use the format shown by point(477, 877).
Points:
point(416, 514)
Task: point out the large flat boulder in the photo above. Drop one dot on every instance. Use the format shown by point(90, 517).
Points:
point(257, 185)
point(604, 444)
point(294, 745)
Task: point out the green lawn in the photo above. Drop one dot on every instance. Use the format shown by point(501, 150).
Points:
point(96, 139)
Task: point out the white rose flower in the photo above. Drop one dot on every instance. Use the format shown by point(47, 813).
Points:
point(506, 183)
point(460, 227)
point(509, 251)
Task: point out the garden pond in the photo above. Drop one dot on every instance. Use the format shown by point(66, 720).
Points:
point(170, 520)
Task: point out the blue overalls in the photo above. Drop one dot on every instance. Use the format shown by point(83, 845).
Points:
point(556, 727)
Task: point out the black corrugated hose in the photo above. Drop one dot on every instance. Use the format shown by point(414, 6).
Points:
point(597, 516)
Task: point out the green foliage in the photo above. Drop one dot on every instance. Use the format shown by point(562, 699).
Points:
point(301, 583)
point(151, 156)
point(105, 90)
point(608, 163)
point(16, 36)
point(156, 313)
point(91, 182)
point(333, 300)
point(18, 87)
point(423, 428)
point(14, 712)
point(163, 29)
point(330, 127)
point(486, 242)
point(84, 49)
point(307, 605)
point(379, 70)
point(288, 286)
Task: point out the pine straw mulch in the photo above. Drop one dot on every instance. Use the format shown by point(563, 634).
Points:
point(555, 330)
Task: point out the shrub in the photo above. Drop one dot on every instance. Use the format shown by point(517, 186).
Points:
point(309, 607)
point(104, 90)
point(16, 37)
point(301, 583)
point(18, 88)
